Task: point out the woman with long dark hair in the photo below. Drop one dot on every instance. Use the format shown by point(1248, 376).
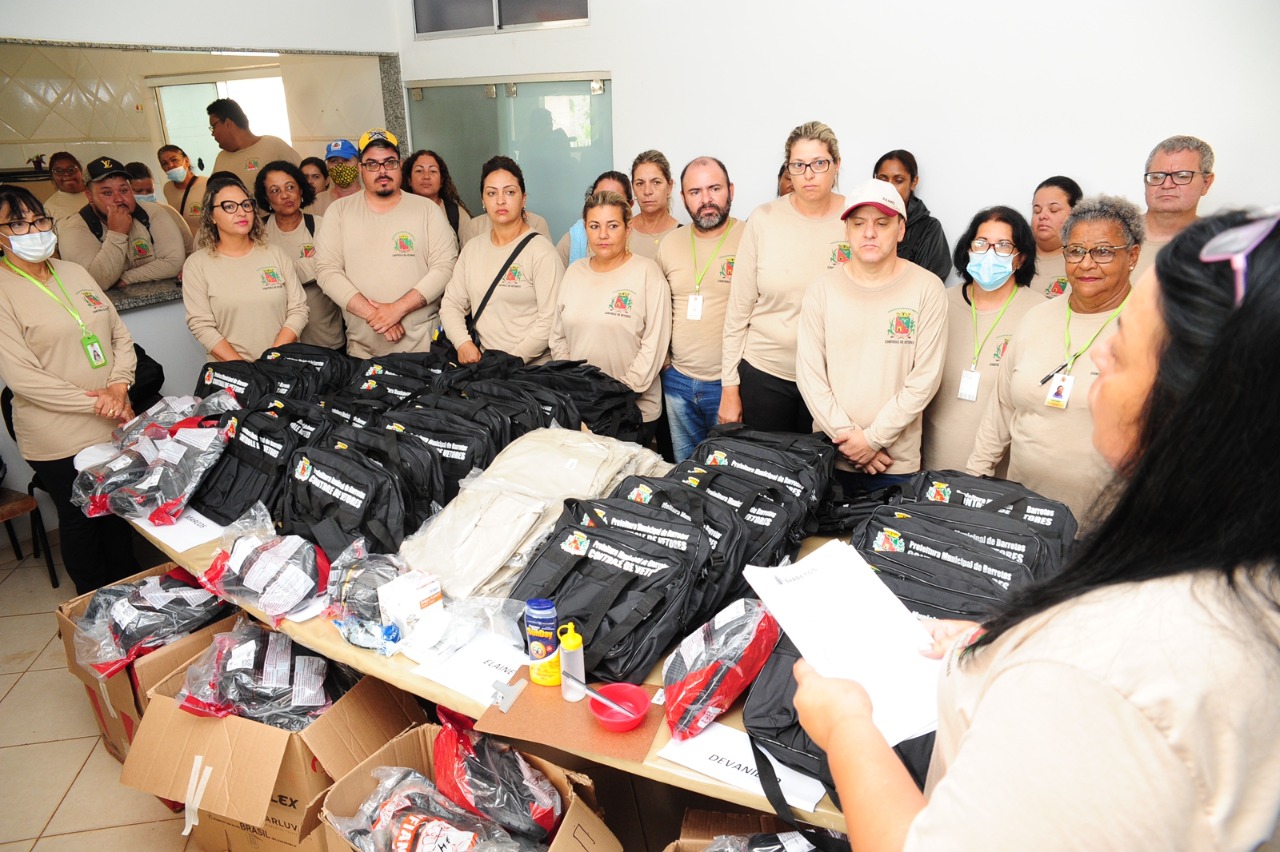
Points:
point(1129, 702)
point(925, 244)
point(427, 175)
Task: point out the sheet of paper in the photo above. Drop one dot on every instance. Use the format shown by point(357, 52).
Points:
point(724, 753)
point(192, 529)
point(848, 624)
point(476, 665)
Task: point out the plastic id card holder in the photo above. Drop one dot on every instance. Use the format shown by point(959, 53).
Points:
point(93, 351)
point(1059, 390)
point(969, 380)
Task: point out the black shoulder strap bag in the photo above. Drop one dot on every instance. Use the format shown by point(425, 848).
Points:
point(475, 315)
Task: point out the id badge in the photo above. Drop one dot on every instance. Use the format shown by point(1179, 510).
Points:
point(93, 351)
point(1059, 390)
point(969, 385)
point(695, 307)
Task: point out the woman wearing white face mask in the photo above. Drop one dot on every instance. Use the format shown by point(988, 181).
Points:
point(184, 189)
point(996, 258)
point(69, 360)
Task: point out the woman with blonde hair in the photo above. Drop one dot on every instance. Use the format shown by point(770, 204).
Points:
point(651, 181)
point(242, 294)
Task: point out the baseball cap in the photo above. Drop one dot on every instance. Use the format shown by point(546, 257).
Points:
point(103, 167)
point(880, 194)
point(378, 134)
point(340, 148)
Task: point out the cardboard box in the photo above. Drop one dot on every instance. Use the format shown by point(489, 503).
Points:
point(581, 829)
point(269, 779)
point(217, 834)
point(700, 827)
point(119, 701)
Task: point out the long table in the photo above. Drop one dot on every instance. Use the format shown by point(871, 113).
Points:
point(319, 634)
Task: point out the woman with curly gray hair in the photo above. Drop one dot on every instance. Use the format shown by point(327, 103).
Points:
point(1041, 409)
point(242, 294)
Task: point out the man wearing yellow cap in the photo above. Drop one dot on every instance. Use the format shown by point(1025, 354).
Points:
point(385, 256)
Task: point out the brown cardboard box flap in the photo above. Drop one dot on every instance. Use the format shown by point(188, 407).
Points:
point(369, 716)
point(707, 825)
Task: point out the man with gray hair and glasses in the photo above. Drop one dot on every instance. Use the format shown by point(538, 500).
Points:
point(1179, 173)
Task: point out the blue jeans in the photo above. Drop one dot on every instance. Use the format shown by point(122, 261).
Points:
point(692, 406)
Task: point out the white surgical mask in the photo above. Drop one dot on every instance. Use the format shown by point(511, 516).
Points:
point(177, 175)
point(151, 197)
point(36, 247)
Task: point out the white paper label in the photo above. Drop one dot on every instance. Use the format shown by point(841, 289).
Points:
point(969, 380)
point(735, 610)
point(194, 596)
point(201, 439)
point(146, 448)
point(269, 563)
point(286, 591)
point(241, 656)
point(278, 662)
point(691, 648)
point(308, 682)
point(153, 594)
point(150, 480)
point(123, 613)
point(793, 841)
point(695, 307)
point(172, 452)
point(119, 463)
point(240, 551)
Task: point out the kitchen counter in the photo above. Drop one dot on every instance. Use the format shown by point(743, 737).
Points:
point(143, 294)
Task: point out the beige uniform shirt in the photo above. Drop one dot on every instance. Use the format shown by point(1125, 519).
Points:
point(188, 241)
point(951, 423)
point(566, 244)
point(697, 344)
point(383, 256)
point(62, 205)
point(246, 162)
point(780, 255)
point(1150, 707)
point(870, 357)
point(619, 321)
point(43, 361)
point(517, 319)
point(324, 322)
point(321, 204)
point(1147, 258)
point(144, 254)
point(477, 225)
point(244, 300)
point(1051, 275)
point(194, 205)
point(647, 245)
point(1050, 449)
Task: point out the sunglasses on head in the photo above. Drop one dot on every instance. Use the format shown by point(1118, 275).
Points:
point(1235, 245)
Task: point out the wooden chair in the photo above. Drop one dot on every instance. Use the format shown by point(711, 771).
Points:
point(15, 504)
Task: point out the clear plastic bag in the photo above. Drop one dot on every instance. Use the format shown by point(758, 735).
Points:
point(166, 413)
point(790, 841)
point(469, 616)
point(217, 403)
point(714, 664)
point(171, 478)
point(125, 621)
point(406, 813)
point(354, 579)
point(261, 675)
point(493, 780)
point(279, 575)
point(94, 484)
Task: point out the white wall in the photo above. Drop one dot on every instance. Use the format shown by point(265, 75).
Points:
point(990, 97)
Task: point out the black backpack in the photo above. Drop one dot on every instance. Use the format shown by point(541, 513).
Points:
point(798, 473)
point(243, 378)
point(260, 443)
point(462, 445)
point(558, 408)
point(332, 497)
point(291, 379)
point(625, 595)
point(361, 412)
point(404, 364)
point(606, 405)
point(388, 389)
point(411, 462)
point(522, 410)
point(334, 368)
point(773, 514)
point(481, 412)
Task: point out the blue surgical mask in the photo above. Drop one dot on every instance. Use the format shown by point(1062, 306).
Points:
point(177, 175)
point(990, 270)
point(151, 197)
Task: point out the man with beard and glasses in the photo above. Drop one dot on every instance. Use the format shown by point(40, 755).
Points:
point(384, 256)
point(698, 264)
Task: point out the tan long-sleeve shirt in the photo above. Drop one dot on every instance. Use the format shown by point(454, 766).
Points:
point(619, 321)
point(470, 227)
point(1050, 449)
point(144, 254)
point(697, 344)
point(43, 361)
point(246, 162)
point(780, 255)
point(194, 200)
point(324, 319)
point(518, 317)
point(382, 256)
point(243, 300)
point(63, 205)
point(870, 357)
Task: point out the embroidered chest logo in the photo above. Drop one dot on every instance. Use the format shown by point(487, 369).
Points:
point(308, 250)
point(252, 164)
point(902, 326)
point(514, 275)
point(141, 249)
point(92, 301)
point(1002, 345)
point(621, 303)
point(1056, 287)
point(840, 254)
point(641, 494)
point(726, 271)
point(717, 458)
point(195, 208)
point(403, 244)
point(576, 543)
point(271, 278)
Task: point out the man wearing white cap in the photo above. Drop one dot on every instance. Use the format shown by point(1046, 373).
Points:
point(871, 343)
point(384, 257)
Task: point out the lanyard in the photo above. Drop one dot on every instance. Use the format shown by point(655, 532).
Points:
point(65, 306)
point(977, 347)
point(693, 245)
point(1071, 359)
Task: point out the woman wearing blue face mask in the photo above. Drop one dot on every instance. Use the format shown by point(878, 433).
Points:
point(996, 257)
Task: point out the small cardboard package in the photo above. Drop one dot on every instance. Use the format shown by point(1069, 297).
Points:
point(119, 701)
point(581, 828)
point(700, 827)
point(265, 782)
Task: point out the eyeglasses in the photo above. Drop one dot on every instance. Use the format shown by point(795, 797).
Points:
point(214, 123)
point(18, 227)
point(1235, 244)
point(68, 171)
point(1180, 178)
point(797, 168)
point(1004, 248)
point(388, 165)
point(1100, 254)
point(232, 206)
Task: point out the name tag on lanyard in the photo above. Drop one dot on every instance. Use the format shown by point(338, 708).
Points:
point(969, 380)
point(1059, 390)
point(695, 307)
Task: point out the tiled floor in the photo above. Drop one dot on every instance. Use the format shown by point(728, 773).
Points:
point(59, 786)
